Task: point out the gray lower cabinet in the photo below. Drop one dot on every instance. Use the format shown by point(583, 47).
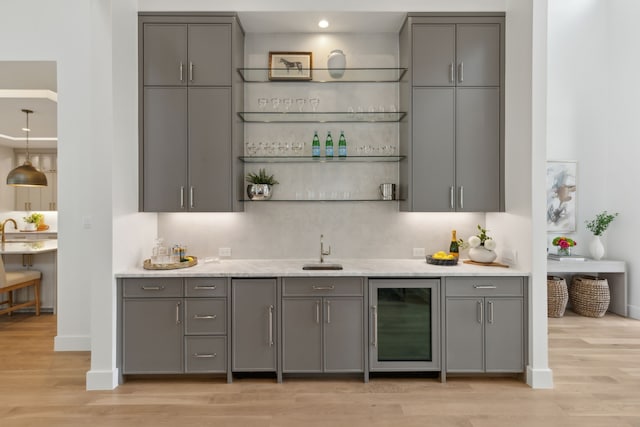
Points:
point(484, 325)
point(323, 327)
point(254, 334)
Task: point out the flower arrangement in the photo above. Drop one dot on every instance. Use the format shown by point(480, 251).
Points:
point(34, 218)
point(564, 242)
point(599, 224)
point(481, 239)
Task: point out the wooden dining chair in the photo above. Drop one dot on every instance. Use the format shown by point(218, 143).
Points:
point(11, 281)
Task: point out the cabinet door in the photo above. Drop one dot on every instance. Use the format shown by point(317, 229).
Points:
point(464, 334)
point(434, 49)
point(209, 55)
point(433, 149)
point(343, 335)
point(210, 157)
point(302, 334)
point(165, 55)
point(478, 156)
point(254, 338)
point(48, 194)
point(478, 54)
point(27, 198)
point(504, 335)
point(152, 336)
point(164, 157)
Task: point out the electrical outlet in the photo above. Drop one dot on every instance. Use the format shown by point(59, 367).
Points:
point(224, 252)
point(418, 252)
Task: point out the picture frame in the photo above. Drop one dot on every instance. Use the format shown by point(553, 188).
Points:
point(287, 66)
point(562, 191)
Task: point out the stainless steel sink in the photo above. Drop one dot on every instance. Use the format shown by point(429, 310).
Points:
point(322, 267)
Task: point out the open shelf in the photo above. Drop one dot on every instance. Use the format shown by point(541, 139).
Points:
point(319, 200)
point(307, 159)
point(321, 75)
point(320, 117)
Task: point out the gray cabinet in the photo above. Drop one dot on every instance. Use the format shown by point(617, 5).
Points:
point(189, 139)
point(484, 324)
point(323, 325)
point(453, 138)
point(254, 328)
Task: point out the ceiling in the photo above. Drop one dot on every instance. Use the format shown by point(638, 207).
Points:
point(28, 85)
point(307, 22)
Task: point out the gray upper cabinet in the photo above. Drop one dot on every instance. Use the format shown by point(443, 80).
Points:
point(453, 138)
point(189, 139)
point(254, 325)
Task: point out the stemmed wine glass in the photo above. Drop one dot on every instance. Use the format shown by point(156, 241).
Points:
point(262, 103)
point(314, 103)
point(287, 102)
point(300, 103)
point(275, 103)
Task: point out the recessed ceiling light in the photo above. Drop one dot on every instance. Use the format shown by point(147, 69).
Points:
point(323, 23)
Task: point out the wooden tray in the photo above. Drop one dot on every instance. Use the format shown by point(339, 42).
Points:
point(148, 266)
point(486, 264)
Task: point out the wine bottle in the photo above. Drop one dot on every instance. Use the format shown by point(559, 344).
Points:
point(453, 247)
point(315, 145)
point(328, 145)
point(342, 145)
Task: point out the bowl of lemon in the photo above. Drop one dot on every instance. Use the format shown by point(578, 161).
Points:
point(442, 258)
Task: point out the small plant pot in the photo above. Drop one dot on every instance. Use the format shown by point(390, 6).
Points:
point(30, 226)
point(259, 191)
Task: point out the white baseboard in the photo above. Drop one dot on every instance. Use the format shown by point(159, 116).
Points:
point(539, 378)
point(72, 343)
point(102, 380)
point(634, 312)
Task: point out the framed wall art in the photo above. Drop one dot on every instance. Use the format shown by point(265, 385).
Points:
point(290, 65)
point(561, 196)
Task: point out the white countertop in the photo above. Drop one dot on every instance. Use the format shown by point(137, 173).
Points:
point(29, 247)
point(351, 267)
point(587, 266)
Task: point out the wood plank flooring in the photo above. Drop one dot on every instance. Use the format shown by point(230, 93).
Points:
point(596, 364)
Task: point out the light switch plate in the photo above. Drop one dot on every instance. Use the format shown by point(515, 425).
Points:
point(224, 251)
point(418, 252)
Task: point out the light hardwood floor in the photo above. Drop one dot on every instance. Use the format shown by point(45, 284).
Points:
point(596, 364)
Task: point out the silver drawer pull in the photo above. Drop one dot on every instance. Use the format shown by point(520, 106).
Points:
point(152, 288)
point(205, 287)
point(323, 288)
point(205, 316)
point(484, 286)
point(205, 355)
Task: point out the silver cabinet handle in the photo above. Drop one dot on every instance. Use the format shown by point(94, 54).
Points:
point(191, 201)
point(205, 355)
point(461, 73)
point(271, 326)
point(480, 309)
point(461, 197)
point(190, 71)
point(178, 313)
point(317, 311)
point(207, 287)
point(323, 288)
point(484, 286)
point(181, 71)
point(451, 70)
point(375, 325)
point(182, 197)
point(451, 197)
point(205, 316)
point(490, 319)
point(328, 311)
point(152, 288)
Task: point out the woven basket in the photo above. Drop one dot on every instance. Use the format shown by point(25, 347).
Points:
point(557, 296)
point(589, 296)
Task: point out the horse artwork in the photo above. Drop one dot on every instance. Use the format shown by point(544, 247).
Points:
point(290, 65)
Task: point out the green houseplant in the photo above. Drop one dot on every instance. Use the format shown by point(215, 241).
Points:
point(598, 226)
point(33, 220)
point(260, 184)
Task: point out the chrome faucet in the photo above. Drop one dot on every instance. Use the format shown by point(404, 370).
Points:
point(323, 253)
point(4, 225)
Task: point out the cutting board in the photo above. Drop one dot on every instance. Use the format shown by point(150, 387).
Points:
point(487, 264)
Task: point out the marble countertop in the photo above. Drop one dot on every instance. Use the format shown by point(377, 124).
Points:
point(28, 246)
point(351, 267)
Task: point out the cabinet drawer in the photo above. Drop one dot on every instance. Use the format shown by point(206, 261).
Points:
point(205, 316)
point(484, 286)
point(153, 288)
point(206, 287)
point(323, 286)
point(205, 354)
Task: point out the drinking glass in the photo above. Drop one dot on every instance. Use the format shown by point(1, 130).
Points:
point(287, 103)
point(262, 103)
point(275, 103)
point(314, 103)
point(300, 103)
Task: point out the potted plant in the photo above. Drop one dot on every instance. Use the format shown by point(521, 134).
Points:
point(260, 184)
point(481, 247)
point(598, 226)
point(33, 221)
point(564, 245)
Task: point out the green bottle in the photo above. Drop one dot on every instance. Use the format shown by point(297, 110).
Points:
point(328, 145)
point(342, 145)
point(315, 145)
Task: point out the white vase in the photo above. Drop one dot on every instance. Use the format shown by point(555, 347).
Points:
point(596, 248)
point(482, 254)
point(336, 63)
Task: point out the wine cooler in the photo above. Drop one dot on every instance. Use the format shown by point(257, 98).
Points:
point(404, 325)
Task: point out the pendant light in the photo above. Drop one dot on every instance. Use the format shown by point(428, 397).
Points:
point(26, 175)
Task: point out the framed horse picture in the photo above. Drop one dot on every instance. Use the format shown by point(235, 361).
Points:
point(290, 65)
